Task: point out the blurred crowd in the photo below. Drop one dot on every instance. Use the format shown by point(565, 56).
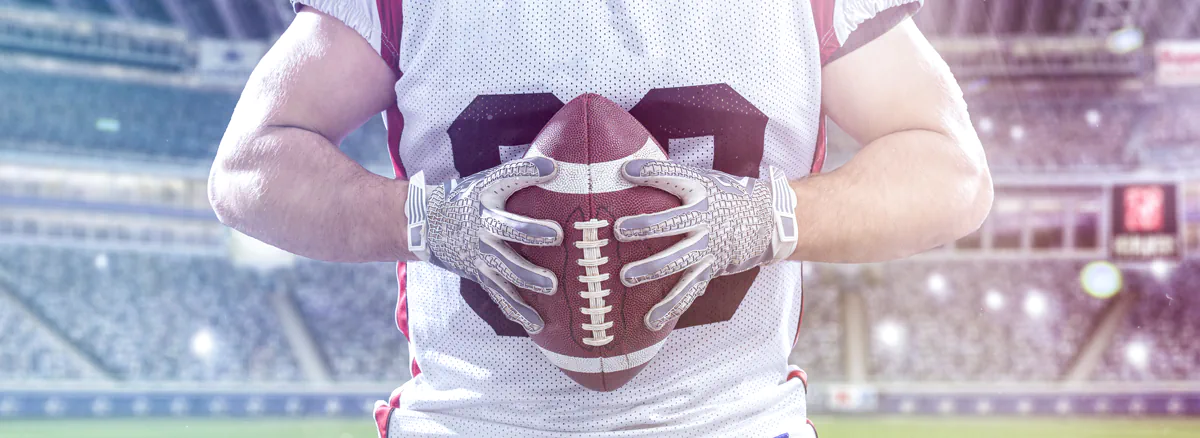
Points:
point(1044, 131)
point(977, 321)
point(132, 120)
point(1158, 340)
point(154, 317)
point(1046, 136)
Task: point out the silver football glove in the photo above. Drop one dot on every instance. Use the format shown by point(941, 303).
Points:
point(461, 226)
point(732, 224)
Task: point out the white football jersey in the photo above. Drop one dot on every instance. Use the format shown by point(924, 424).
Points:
point(733, 86)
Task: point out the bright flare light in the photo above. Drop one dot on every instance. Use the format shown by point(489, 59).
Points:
point(1160, 269)
point(986, 126)
point(203, 344)
point(1137, 354)
point(1093, 117)
point(100, 262)
point(1125, 40)
point(937, 284)
point(890, 334)
point(1035, 304)
point(994, 300)
point(1016, 132)
point(1101, 279)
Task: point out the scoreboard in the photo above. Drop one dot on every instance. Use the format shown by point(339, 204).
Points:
point(1145, 222)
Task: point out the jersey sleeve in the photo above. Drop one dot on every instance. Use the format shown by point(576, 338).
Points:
point(360, 15)
point(845, 25)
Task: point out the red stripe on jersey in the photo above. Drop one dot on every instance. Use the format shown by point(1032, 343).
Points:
point(799, 320)
point(402, 299)
point(415, 369)
point(383, 418)
point(391, 20)
point(828, 43)
point(819, 152)
point(799, 374)
point(826, 36)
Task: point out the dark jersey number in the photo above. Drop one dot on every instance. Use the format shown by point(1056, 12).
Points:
point(737, 128)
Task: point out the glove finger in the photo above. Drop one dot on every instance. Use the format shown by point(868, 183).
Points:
point(682, 181)
point(690, 286)
point(520, 229)
point(515, 270)
point(514, 308)
point(672, 222)
point(678, 257)
point(515, 175)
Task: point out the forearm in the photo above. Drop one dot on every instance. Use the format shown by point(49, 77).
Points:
point(904, 193)
point(295, 190)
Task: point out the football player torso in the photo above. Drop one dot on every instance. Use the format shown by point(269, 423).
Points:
point(732, 86)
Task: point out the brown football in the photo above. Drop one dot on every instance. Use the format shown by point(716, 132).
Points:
point(594, 329)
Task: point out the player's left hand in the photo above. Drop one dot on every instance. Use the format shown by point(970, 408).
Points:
point(732, 224)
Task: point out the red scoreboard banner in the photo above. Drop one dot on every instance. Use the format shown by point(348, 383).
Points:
point(1145, 223)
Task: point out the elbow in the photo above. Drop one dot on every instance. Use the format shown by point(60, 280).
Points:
point(230, 188)
point(975, 201)
point(221, 195)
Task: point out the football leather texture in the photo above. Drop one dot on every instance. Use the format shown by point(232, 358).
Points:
point(594, 325)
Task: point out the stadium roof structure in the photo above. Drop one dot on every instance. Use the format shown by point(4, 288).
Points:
point(1160, 19)
point(227, 19)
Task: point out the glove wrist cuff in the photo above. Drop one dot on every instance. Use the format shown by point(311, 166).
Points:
point(416, 209)
point(783, 206)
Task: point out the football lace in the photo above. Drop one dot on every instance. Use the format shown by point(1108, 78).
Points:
point(591, 262)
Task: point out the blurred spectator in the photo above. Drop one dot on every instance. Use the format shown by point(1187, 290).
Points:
point(156, 316)
point(977, 320)
point(1157, 341)
point(351, 310)
point(133, 121)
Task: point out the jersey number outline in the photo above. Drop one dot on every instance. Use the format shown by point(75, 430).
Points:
point(737, 127)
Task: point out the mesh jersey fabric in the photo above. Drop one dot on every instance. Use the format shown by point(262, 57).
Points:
point(728, 85)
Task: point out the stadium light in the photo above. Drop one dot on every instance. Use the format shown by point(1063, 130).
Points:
point(1093, 117)
point(1035, 304)
point(937, 284)
point(1101, 279)
point(1017, 132)
point(1137, 354)
point(985, 125)
point(203, 344)
point(1160, 269)
point(994, 300)
point(890, 334)
point(100, 262)
point(1125, 40)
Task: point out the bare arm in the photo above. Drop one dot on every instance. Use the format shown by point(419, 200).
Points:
point(279, 175)
point(922, 178)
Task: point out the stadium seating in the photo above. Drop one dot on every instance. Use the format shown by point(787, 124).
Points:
point(1157, 341)
point(977, 321)
point(351, 312)
point(819, 346)
point(1046, 136)
point(156, 317)
point(26, 353)
point(1175, 123)
point(141, 315)
point(132, 121)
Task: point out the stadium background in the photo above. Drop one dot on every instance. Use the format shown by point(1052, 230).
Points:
point(127, 310)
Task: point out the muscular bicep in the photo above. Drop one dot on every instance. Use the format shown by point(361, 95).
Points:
point(896, 83)
point(320, 76)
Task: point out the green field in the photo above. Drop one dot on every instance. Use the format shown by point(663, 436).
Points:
point(840, 427)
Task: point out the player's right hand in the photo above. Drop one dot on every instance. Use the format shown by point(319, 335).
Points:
point(461, 226)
